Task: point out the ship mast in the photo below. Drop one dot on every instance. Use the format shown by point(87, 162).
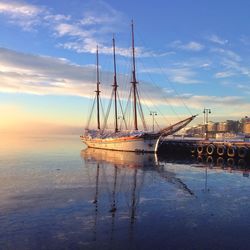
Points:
point(115, 87)
point(97, 89)
point(134, 82)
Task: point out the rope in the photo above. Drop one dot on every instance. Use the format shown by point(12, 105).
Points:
point(123, 115)
point(128, 102)
point(152, 104)
point(108, 111)
point(141, 112)
point(91, 113)
point(167, 80)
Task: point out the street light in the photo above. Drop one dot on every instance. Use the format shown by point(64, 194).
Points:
point(206, 112)
point(153, 114)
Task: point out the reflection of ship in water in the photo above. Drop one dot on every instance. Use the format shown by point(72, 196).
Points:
point(117, 172)
point(121, 185)
point(119, 178)
point(119, 158)
point(135, 161)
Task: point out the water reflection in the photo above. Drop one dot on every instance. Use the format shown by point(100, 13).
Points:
point(115, 200)
point(119, 158)
point(123, 175)
point(119, 171)
point(130, 189)
point(227, 164)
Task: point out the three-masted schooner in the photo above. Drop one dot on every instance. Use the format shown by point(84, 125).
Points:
point(126, 140)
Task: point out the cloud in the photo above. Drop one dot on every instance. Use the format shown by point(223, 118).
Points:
point(245, 88)
point(196, 63)
point(224, 74)
point(101, 13)
point(218, 104)
point(228, 53)
point(17, 9)
point(245, 40)
point(215, 39)
point(43, 75)
point(57, 18)
point(65, 29)
point(89, 46)
point(22, 14)
point(236, 66)
point(25, 73)
point(191, 46)
point(182, 75)
point(86, 39)
point(231, 62)
point(99, 21)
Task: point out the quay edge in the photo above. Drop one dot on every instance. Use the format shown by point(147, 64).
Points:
point(232, 149)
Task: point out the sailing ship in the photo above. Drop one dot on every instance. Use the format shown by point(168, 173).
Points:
point(134, 140)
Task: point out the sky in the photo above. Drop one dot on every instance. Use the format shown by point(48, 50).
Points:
point(190, 55)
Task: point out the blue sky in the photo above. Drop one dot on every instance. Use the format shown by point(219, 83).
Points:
point(195, 52)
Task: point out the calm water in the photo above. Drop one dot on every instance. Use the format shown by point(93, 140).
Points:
point(56, 195)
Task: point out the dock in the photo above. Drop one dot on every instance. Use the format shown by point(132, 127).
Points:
point(227, 148)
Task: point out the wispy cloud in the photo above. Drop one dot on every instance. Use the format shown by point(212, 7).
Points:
point(224, 74)
point(17, 9)
point(236, 66)
point(182, 75)
point(96, 26)
point(190, 46)
point(101, 13)
point(57, 17)
point(22, 14)
point(194, 63)
point(230, 63)
point(25, 73)
point(98, 22)
point(245, 40)
point(245, 88)
point(218, 104)
point(66, 29)
point(216, 39)
point(43, 75)
point(40, 75)
point(227, 53)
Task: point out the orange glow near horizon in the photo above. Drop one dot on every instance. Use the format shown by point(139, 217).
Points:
point(15, 120)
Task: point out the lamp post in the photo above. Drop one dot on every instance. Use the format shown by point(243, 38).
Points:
point(206, 112)
point(153, 114)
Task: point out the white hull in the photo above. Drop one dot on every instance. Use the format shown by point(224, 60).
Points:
point(132, 144)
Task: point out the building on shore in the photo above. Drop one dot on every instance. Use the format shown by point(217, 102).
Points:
point(246, 125)
point(228, 128)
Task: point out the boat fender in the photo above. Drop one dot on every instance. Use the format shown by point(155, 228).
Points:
point(221, 149)
point(220, 161)
point(210, 149)
point(242, 163)
point(192, 148)
point(230, 162)
point(242, 151)
point(210, 160)
point(200, 149)
point(199, 159)
point(231, 151)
